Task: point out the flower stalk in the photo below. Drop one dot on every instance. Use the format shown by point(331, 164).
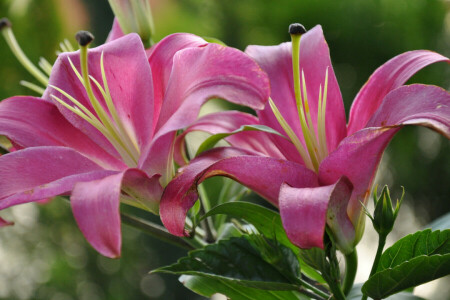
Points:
point(156, 231)
point(351, 265)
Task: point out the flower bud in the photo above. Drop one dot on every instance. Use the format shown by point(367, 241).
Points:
point(385, 214)
point(134, 16)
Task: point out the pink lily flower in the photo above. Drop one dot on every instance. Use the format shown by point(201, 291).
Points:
point(325, 168)
point(104, 129)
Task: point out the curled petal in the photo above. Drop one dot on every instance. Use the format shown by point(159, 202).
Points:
point(33, 122)
point(212, 71)
point(416, 104)
point(306, 211)
point(41, 172)
point(95, 206)
point(264, 175)
point(161, 62)
point(199, 74)
point(386, 78)
point(358, 156)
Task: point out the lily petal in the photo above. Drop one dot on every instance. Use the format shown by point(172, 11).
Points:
point(306, 211)
point(213, 71)
point(161, 62)
point(130, 83)
point(415, 104)
point(32, 122)
point(386, 78)
point(115, 33)
point(264, 175)
point(314, 61)
point(95, 206)
point(357, 157)
point(41, 172)
point(4, 223)
point(199, 74)
point(226, 122)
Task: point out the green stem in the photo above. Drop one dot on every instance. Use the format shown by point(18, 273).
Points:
point(207, 223)
point(312, 288)
point(156, 231)
point(336, 290)
point(333, 277)
point(351, 265)
point(381, 243)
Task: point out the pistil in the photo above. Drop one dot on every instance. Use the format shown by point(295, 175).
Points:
point(315, 142)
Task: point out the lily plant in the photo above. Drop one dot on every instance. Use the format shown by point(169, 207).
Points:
point(318, 171)
point(103, 131)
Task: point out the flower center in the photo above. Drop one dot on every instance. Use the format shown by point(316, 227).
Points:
point(314, 137)
point(106, 121)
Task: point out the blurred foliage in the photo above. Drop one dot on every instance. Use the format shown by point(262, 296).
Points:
point(362, 35)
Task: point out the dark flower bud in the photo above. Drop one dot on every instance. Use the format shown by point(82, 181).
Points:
point(296, 28)
point(84, 38)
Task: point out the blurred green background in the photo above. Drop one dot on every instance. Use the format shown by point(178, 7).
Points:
point(45, 256)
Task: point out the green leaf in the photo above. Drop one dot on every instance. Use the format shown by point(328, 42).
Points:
point(236, 260)
point(214, 139)
point(413, 260)
point(356, 294)
point(441, 223)
point(268, 223)
point(207, 287)
point(213, 40)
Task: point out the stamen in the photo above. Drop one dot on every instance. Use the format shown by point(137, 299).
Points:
point(312, 133)
point(76, 71)
point(94, 122)
point(291, 134)
point(69, 45)
point(5, 27)
point(320, 130)
point(112, 110)
point(63, 47)
point(322, 133)
point(32, 86)
point(45, 65)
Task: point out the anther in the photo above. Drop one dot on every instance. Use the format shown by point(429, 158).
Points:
point(4, 22)
point(297, 28)
point(84, 38)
